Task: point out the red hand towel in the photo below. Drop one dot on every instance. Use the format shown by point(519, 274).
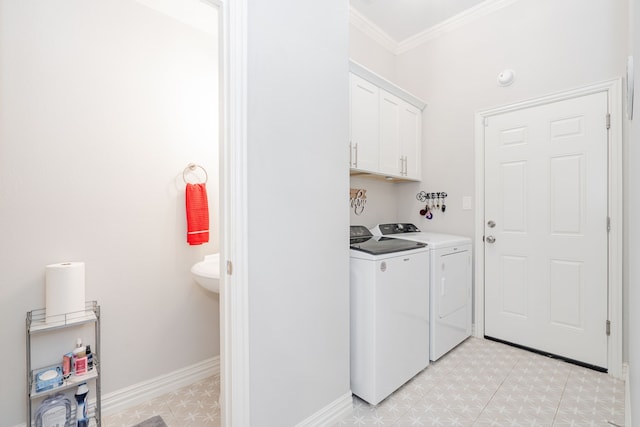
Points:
point(197, 214)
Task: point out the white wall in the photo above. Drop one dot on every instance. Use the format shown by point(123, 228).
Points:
point(633, 231)
point(298, 186)
point(102, 105)
point(551, 45)
point(377, 208)
point(372, 55)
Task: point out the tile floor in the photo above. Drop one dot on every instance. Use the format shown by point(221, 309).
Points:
point(485, 383)
point(480, 383)
point(191, 406)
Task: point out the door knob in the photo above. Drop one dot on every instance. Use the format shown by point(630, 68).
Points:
point(490, 239)
point(491, 224)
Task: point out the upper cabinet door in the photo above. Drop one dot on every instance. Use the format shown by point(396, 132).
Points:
point(411, 140)
point(400, 137)
point(391, 158)
point(364, 116)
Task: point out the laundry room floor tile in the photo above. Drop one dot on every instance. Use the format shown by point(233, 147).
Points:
point(484, 383)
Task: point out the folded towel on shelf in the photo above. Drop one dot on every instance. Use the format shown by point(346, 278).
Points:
point(197, 214)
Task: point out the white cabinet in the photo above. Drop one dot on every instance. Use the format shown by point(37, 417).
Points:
point(411, 140)
point(363, 112)
point(400, 137)
point(385, 127)
point(391, 160)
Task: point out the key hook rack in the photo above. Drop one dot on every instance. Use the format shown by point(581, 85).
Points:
point(434, 201)
point(423, 196)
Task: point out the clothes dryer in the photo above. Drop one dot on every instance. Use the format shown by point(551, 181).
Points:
point(449, 284)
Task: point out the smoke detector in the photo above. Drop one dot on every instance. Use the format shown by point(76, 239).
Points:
point(506, 77)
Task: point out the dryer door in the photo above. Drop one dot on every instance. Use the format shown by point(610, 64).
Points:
point(450, 298)
point(452, 280)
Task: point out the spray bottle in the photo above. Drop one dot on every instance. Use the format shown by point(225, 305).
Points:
point(82, 420)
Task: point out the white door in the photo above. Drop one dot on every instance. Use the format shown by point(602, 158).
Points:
point(546, 193)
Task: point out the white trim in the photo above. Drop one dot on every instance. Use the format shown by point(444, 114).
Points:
point(483, 9)
point(616, 236)
point(372, 30)
point(146, 390)
point(478, 281)
point(382, 38)
point(627, 395)
point(234, 307)
point(330, 414)
point(362, 71)
point(614, 94)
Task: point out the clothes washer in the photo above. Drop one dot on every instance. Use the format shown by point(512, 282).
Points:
point(450, 284)
point(389, 311)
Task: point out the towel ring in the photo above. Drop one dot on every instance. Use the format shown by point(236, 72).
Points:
point(191, 167)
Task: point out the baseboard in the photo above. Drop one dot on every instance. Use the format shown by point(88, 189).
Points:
point(330, 414)
point(627, 395)
point(147, 390)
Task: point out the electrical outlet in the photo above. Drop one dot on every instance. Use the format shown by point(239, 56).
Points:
point(466, 203)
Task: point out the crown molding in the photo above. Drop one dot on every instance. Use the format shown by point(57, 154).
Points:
point(483, 9)
point(372, 30)
point(457, 21)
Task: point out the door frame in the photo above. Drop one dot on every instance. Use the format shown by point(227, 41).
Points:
point(234, 299)
point(613, 88)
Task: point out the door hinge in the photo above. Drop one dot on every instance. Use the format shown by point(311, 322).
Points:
point(229, 268)
point(608, 327)
point(608, 121)
point(608, 224)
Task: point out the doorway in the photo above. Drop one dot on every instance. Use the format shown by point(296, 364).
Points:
point(536, 203)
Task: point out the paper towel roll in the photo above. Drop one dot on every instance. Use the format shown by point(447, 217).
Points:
point(64, 291)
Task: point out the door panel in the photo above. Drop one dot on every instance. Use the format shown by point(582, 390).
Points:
point(411, 140)
point(514, 189)
point(567, 187)
point(546, 190)
point(390, 106)
point(514, 296)
point(363, 118)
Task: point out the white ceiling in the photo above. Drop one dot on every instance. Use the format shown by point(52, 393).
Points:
point(402, 19)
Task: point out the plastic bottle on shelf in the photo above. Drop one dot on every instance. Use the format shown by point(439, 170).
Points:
point(79, 358)
point(89, 357)
point(82, 419)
